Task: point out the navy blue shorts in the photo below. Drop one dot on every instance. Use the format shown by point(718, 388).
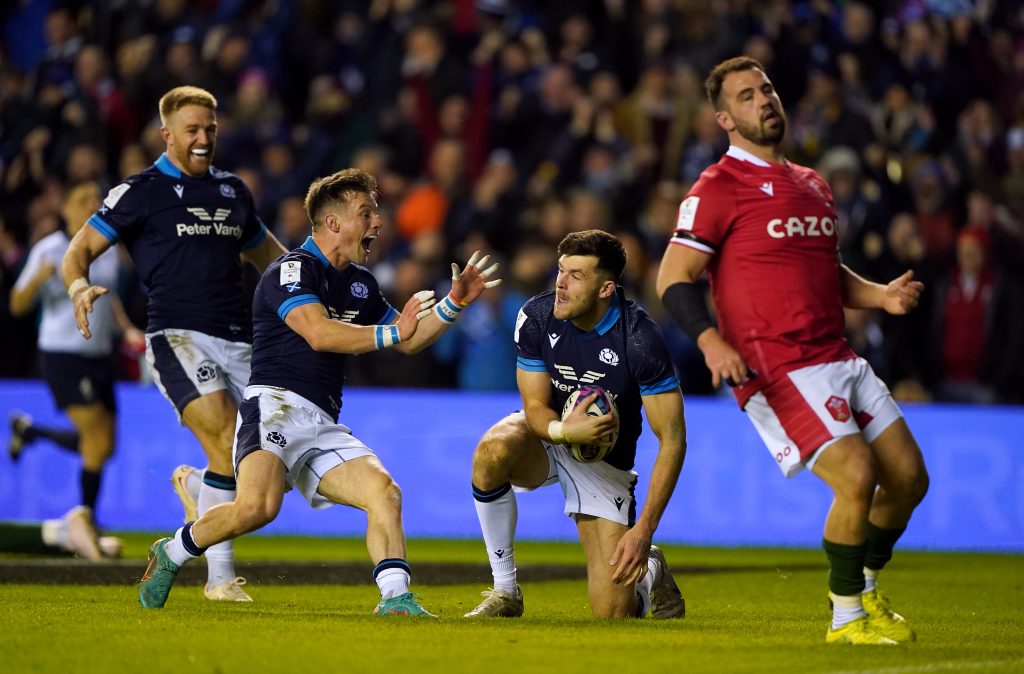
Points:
point(79, 380)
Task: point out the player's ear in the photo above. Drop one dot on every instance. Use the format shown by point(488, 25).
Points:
point(165, 133)
point(724, 120)
point(607, 289)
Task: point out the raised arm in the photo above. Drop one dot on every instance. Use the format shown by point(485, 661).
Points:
point(467, 285)
point(86, 246)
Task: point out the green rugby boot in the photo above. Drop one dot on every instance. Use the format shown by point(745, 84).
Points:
point(159, 576)
point(402, 604)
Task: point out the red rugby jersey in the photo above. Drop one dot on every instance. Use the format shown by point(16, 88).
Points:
point(775, 268)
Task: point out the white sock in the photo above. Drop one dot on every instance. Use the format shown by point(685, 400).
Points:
point(845, 609)
point(194, 482)
point(643, 599)
point(176, 550)
point(870, 580)
point(653, 576)
point(220, 558)
point(392, 582)
point(498, 518)
point(55, 533)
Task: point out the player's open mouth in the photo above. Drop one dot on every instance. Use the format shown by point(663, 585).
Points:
point(201, 152)
point(367, 242)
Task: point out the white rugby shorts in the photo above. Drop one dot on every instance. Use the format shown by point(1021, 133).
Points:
point(303, 436)
point(597, 489)
point(187, 364)
point(802, 413)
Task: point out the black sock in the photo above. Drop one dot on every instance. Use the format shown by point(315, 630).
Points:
point(880, 544)
point(90, 484)
point(63, 438)
point(845, 567)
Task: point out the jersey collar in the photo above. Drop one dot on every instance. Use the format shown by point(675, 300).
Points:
point(310, 245)
point(743, 155)
point(167, 167)
point(611, 316)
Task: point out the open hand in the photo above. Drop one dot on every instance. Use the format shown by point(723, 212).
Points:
point(468, 283)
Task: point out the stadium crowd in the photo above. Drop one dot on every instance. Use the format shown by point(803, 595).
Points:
point(503, 125)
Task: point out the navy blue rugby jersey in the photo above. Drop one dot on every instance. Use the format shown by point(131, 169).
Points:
point(282, 357)
point(625, 354)
point(185, 235)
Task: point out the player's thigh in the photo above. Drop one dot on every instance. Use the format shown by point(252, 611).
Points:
point(899, 461)
point(260, 482)
point(847, 466)
point(359, 483)
point(211, 417)
point(599, 537)
point(511, 443)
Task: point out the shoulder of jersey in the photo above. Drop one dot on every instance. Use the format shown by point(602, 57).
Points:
point(540, 305)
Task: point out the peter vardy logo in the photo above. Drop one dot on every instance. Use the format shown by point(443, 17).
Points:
point(216, 225)
point(276, 438)
point(360, 290)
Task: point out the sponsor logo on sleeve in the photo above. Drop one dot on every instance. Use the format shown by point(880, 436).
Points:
point(115, 194)
point(687, 213)
point(290, 272)
point(520, 320)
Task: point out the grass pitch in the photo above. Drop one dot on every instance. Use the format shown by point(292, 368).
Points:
point(748, 610)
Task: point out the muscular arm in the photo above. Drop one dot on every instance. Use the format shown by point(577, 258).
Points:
point(665, 416)
point(268, 250)
point(324, 334)
point(85, 247)
point(682, 264)
point(897, 298)
point(535, 390)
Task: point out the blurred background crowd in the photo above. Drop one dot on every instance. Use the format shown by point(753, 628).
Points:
point(502, 125)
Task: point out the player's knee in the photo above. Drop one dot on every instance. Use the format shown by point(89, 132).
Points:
point(613, 608)
point(491, 456)
point(388, 495)
point(858, 483)
point(250, 516)
point(916, 485)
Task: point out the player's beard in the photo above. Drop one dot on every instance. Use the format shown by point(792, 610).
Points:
point(760, 134)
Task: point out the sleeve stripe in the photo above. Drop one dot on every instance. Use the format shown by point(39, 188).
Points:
point(256, 239)
point(693, 241)
point(667, 384)
point(296, 301)
point(389, 315)
point(103, 228)
point(531, 365)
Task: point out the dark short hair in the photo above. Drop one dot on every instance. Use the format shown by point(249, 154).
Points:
point(337, 188)
point(713, 84)
point(611, 256)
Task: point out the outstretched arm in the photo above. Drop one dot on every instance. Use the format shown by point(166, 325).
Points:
point(323, 334)
point(85, 247)
point(898, 297)
point(467, 285)
point(665, 415)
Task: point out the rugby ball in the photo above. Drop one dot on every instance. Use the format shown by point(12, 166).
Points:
point(603, 404)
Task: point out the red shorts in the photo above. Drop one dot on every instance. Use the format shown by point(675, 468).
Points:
point(802, 413)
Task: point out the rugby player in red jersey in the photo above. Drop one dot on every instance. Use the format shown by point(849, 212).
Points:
point(765, 231)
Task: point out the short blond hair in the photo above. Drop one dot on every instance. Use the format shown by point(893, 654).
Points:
point(178, 97)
